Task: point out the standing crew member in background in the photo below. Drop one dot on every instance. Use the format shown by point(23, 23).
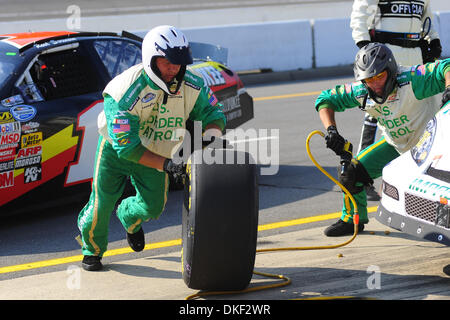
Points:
point(144, 108)
point(401, 98)
point(407, 28)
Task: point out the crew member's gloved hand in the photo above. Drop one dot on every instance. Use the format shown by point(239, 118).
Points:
point(362, 43)
point(174, 169)
point(334, 140)
point(446, 96)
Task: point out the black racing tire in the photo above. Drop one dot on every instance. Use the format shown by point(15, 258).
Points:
point(220, 222)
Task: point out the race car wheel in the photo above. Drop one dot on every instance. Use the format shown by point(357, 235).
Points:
point(220, 222)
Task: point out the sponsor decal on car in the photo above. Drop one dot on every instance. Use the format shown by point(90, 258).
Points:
point(6, 179)
point(28, 156)
point(37, 161)
point(12, 101)
point(6, 166)
point(211, 75)
point(9, 140)
point(23, 113)
point(421, 185)
point(30, 127)
point(31, 139)
point(32, 174)
point(6, 117)
point(7, 154)
point(9, 127)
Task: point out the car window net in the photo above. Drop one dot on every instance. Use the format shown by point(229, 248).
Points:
point(65, 74)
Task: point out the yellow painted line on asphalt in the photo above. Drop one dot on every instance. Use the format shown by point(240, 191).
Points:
point(295, 222)
point(58, 261)
point(290, 223)
point(286, 96)
point(165, 244)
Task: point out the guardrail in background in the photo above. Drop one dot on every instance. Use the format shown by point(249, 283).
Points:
point(293, 45)
point(279, 46)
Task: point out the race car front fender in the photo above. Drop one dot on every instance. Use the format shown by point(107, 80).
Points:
point(412, 226)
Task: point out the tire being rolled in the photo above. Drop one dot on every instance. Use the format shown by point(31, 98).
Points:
point(220, 221)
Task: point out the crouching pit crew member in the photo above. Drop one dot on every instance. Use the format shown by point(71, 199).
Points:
point(134, 143)
point(400, 98)
point(407, 28)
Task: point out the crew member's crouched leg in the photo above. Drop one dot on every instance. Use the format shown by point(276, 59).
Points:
point(151, 196)
point(108, 183)
point(368, 165)
point(353, 180)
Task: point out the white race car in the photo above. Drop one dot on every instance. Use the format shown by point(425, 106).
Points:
point(416, 185)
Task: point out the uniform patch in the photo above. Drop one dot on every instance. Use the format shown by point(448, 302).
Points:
point(212, 98)
point(192, 85)
point(120, 121)
point(121, 128)
point(148, 97)
point(420, 71)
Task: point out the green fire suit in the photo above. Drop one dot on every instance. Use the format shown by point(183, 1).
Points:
point(402, 119)
point(138, 115)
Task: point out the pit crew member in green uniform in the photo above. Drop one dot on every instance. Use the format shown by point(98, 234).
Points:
point(145, 109)
point(407, 28)
point(401, 100)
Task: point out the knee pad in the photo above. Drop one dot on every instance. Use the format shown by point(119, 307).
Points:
point(355, 173)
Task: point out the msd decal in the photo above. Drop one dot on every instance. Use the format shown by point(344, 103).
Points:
point(9, 139)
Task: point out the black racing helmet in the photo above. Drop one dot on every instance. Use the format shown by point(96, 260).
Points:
point(371, 60)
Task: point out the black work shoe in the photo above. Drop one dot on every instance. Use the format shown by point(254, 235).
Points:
point(372, 194)
point(341, 228)
point(136, 240)
point(92, 263)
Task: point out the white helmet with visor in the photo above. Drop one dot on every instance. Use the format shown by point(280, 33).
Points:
point(170, 43)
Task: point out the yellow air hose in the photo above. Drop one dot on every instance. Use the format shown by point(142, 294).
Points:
point(287, 281)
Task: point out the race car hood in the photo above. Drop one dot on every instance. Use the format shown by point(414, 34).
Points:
point(424, 170)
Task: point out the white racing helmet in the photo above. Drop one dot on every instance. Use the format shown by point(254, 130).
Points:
point(170, 43)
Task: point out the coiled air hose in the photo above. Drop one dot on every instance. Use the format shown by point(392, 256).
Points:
point(286, 281)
